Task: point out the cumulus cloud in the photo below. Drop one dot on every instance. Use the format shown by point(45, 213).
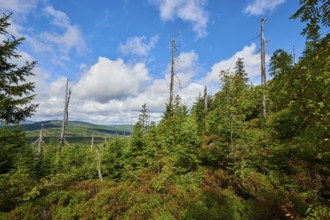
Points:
point(49, 96)
point(112, 91)
point(192, 11)
point(70, 35)
point(157, 93)
point(138, 45)
point(251, 57)
point(186, 67)
point(112, 79)
point(260, 7)
point(106, 93)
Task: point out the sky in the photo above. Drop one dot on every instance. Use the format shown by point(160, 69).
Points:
point(117, 53)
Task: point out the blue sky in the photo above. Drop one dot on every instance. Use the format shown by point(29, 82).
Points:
point(116, 53)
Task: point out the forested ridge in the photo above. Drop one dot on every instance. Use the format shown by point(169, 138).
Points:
point(218, 160)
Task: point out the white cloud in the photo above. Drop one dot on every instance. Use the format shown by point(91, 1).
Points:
point(186, 67)
point(70, 37)
point(61, 38)
point(21, 7)
point(157, 94)
point(50, 96)
point(251, 63)
point(187, 10)
point(39, 46)
point(191, 92)
point(111, 79)
point(112, 91)
point(47, 94)
point(60, 19)
point(15, 29)
point(138, 45)
point(260, 7)
point(20, 61)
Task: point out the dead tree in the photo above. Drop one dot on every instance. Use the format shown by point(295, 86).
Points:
point(294, 54)
point(99, 165)
point(40, 140)
point(172, 75)
point(65, 115)
point(263, 69)
point(92, 142)
point(205, 99)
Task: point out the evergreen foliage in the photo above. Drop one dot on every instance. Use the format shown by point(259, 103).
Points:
point(223, 162)
point(18, 166)
point(15, 92)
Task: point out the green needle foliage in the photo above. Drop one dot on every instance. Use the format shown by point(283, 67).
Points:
point(219, 162)
point(15, 92)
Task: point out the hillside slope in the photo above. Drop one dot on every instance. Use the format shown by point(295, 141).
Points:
point(77, 131)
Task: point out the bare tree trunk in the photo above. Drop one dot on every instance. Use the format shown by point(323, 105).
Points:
point(263, 69)
point(92, 142)
point(205, 99)
point(99, 165)
point(40, 142)
point(65, 114)
point(131, 131)
point(294, 54)
point(231, 128)
point(172, 75)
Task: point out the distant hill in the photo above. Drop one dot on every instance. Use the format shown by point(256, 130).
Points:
point(21, 123)
point(76, 131)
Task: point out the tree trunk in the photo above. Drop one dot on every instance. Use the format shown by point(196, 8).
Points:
point(263, 69)
point(92, 142)
point(65, 114)
point(99, 165)
point(40, 140)
point(205, 99)
point(172, 75)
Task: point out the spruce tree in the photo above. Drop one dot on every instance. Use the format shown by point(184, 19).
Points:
point(15, 91)
point(17, 166)
point(144, 118)
point(15, 100)
point(239, 68)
